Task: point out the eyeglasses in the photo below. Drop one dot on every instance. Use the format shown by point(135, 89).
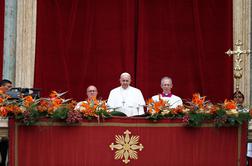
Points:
point(91, 90)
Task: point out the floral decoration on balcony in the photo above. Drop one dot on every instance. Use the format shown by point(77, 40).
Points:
point(93, 108)
point(28, 110)
point(193, 113)
point(199, 110)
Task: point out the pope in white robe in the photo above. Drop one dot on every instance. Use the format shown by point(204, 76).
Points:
point(126, 99)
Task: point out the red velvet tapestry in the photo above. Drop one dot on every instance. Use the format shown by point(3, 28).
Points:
point(1, 35)
point(166, 143)
point(83, 42)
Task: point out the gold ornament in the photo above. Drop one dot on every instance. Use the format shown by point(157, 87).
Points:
point(237, 61)
point(126, 147)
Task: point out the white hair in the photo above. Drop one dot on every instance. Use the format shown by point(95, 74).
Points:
point(125, 74)
point(166, 78)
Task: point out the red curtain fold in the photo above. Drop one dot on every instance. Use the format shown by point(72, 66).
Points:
point(83, 42)
point(186, 40)
point(1, 34)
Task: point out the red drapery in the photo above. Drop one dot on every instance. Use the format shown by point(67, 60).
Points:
point(185, 40)
point(165, 143)
point(83, 42)
point(1, 34)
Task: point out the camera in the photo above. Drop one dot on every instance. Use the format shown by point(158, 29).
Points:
point(22, 92)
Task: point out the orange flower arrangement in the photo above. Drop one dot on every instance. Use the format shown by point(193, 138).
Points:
point(43, 105)
point(29, 110)
point(28, 100)
point(231, 107)
point(178, 110)
point(7, 106)
point(198, 110)
point(229, 104)
point(93, 108)
point(198, 100)
point(1, 100)
point(15, 109)
point(53, 94)
point(213, 109)
point(88, 109)
point(53, 102)
point(3, 112)
point(156, 107)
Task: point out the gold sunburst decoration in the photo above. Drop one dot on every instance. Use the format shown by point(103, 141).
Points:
point(126, 147)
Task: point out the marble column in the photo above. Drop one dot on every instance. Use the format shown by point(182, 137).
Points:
point(9, 57)
point(19, 45)
point(242, 31)
point(25, 47)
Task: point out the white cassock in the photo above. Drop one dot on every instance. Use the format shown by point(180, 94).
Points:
point(130, 101)
point(249, 150)
point(173, 101)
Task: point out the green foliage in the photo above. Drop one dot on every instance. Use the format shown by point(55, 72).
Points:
point(104, 114)
point(174, 116)
point(155, 117)
point(117, 113)
point(60, 113)
point(196, 119)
